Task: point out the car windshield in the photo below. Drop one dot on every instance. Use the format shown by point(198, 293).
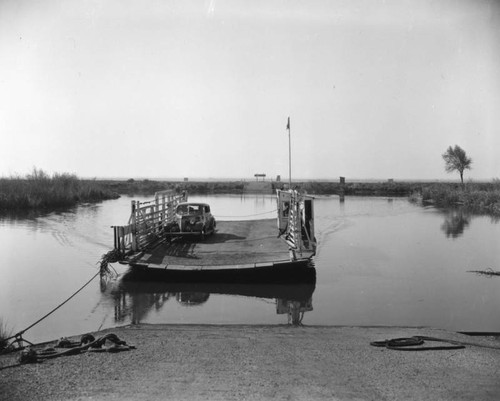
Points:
point(189, 209)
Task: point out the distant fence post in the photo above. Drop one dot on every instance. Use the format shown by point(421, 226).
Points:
point(342, 189)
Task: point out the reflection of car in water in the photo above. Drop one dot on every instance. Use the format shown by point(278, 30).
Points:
point(192, 218)
point(192, 298)
point(135, 298)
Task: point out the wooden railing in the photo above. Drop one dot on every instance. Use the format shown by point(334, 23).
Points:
point(147, 220)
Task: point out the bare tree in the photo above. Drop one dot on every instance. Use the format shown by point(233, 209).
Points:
point(456, 159)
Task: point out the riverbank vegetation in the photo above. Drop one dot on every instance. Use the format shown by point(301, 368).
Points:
point(149, 187)
point(382, 188)
point(39, 190)
point(476, 197)
point(414, 189)
point(5, 333)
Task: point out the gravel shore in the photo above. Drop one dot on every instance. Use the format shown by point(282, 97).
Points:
point(193, 362)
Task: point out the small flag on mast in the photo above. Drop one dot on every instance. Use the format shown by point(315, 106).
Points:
point(288, 124)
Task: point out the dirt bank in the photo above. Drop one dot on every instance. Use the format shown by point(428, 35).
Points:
point(188, 362)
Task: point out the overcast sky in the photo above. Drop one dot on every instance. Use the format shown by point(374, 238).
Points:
point(160, 88)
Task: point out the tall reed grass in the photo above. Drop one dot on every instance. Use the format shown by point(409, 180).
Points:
point(477, 197)
point(38, 190)
point(5, 333)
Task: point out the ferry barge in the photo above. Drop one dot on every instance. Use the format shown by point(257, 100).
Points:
point(170, 239)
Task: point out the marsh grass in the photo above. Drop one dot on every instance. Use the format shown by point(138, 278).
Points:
point(5, 333)
point(149, 187)
point(38, 190)
point(476, 197)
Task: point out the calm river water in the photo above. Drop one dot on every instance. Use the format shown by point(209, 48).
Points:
point(380, 261)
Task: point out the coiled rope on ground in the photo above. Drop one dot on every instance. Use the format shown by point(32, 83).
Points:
point(415, 344)
point(87, 343)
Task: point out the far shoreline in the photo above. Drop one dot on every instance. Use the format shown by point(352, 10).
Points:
point(312, 187)
point(476, 197)
point(41, 192)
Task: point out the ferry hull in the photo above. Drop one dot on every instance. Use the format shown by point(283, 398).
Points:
point(301, 271)
point(134, 284)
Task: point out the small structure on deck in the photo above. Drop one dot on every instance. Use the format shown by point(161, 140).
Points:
point(257, 176)
point(266, 251)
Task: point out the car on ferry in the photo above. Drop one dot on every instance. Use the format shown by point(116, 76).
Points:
point(193, 218)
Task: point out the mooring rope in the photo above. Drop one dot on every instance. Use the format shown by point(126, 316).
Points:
point(18, 335)
point(250, 215)
point(415, 344)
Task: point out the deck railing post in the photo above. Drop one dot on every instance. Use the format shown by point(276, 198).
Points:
point(163, 206)
point(133, 221)
point(115, 239)
point(121, 239)
point(157, 215)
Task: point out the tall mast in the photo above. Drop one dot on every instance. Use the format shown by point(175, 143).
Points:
point(289, 155)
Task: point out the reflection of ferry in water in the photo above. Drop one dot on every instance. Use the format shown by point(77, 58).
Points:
point(251, 251)
point(134, 299)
